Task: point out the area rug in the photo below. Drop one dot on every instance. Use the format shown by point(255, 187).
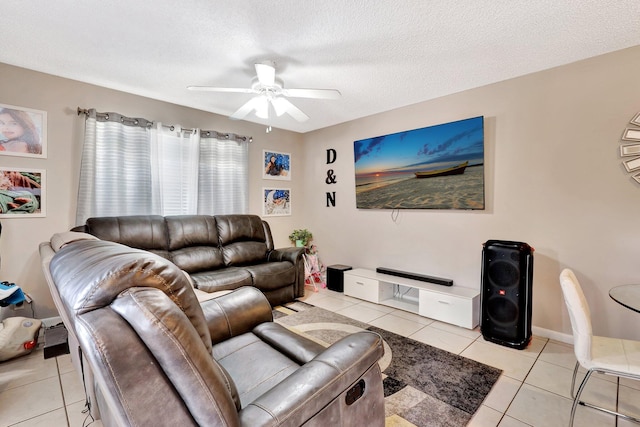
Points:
point(423, 385)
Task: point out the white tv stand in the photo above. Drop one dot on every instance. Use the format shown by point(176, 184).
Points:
point(450, 304)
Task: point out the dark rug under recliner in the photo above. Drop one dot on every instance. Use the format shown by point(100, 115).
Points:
point(424, 385)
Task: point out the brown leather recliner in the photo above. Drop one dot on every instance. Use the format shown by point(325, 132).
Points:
point(157, 357)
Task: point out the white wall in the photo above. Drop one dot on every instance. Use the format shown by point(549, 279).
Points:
point(59, 98)
point(553, 179)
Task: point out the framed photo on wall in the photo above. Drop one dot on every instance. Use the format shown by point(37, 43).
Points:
point(276, 201)
point(23, 131)
point(22, 193)
point(276, 165)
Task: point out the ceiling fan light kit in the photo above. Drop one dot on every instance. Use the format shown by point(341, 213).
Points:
point(270, 91)
point(262, 107)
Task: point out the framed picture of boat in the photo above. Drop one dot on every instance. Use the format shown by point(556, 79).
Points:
point(435, 167)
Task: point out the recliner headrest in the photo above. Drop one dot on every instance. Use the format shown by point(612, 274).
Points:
point(240, 228)
point(90, 274)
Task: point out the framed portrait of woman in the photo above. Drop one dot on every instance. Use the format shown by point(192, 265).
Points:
point(23, 131)
point(276, 165)
point(22, 193)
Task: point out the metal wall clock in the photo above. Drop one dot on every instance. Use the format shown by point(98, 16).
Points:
point(630, 148)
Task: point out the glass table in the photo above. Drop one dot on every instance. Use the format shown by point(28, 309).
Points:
point(627, 295)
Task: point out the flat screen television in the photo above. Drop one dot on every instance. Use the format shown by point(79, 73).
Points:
point(435, 167)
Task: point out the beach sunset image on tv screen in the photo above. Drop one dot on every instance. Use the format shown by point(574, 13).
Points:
point(436, 167)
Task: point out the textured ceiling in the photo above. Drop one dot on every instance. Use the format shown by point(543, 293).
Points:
point(380, 54)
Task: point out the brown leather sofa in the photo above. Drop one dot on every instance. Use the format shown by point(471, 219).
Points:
point(221, 252)
point(156, 356)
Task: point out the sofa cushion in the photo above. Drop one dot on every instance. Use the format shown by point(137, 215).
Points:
point(223, 279)
point(197, 258)
point(242, 238)
point(146, 232)
point(244, 253)
point(191, 230)
point(193, 242)
point(271, 275)
point(237, 353)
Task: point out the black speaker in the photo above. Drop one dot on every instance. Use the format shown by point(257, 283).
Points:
point(507, 276)
point(335, 277)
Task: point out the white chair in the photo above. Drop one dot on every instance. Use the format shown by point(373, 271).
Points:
point(609, 356)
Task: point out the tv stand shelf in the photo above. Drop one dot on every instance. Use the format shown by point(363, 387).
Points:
point(450, 304)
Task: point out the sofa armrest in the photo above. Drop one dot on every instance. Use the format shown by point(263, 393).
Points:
point(291, 254)
point(296, 347)
point(316, 384)
point(236, 313)
point(294, 256)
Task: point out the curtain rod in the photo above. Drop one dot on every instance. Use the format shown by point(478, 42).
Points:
point(133, 121)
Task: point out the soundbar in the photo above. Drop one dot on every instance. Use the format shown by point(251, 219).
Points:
point(415, 276)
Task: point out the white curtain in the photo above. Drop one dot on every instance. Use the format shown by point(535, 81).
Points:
point(223, 176)
point(130, 167)
point(115, 174)
point(174, 173)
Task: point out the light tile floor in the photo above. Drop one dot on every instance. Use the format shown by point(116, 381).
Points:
point(534, 389)
point(35, 391)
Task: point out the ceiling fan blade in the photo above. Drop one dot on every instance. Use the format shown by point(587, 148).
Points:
point(246, 108)
point(266, 74)
point(312, 93)
point(280, 105)
point(221, 89)
point(283, 105)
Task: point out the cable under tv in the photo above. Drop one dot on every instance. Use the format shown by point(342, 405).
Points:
point(415, 276)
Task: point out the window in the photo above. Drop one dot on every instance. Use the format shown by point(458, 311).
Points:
point(133, 167)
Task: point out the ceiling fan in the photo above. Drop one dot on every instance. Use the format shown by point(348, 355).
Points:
point(270, 91)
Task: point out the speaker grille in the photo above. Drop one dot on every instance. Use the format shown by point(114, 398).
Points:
point(503, 311)
point(504, 274)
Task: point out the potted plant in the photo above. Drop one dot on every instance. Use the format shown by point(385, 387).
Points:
point(301, 237)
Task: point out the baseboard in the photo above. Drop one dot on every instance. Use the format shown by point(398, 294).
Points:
point(552, 335)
